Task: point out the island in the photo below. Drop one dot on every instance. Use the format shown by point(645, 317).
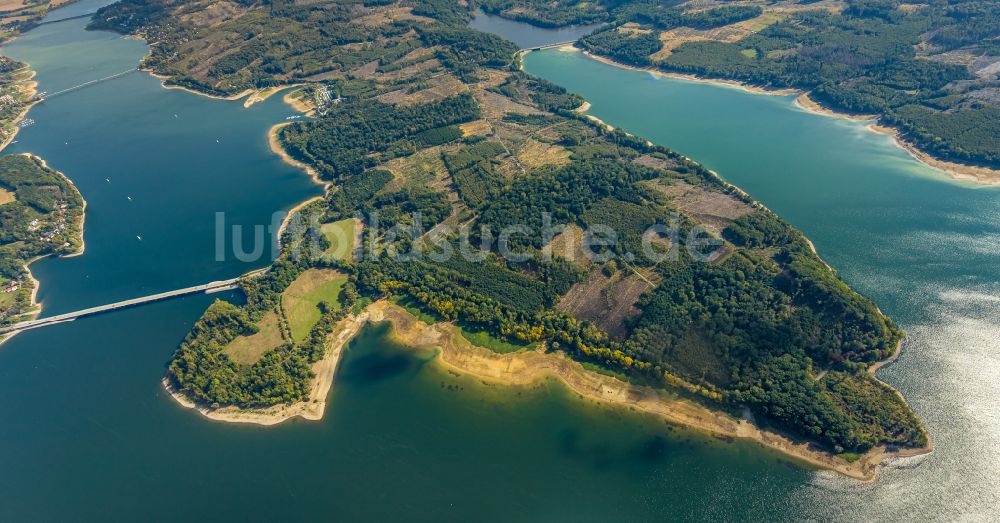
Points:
point(474, 207)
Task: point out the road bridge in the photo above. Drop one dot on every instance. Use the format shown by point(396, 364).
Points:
point(46, 96)
point(549, 46)
point(77, 17)
point(207, 288)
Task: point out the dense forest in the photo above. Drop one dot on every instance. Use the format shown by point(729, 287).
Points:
point(471, 177)
point(40, 214)
point(927, 69)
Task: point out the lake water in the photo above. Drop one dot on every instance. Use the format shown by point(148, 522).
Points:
point(154, 165)
point(87, 432)
point(924, 247)
point(527, 36)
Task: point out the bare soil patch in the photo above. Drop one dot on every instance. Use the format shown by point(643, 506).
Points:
point(606, 301)
point(715, 210)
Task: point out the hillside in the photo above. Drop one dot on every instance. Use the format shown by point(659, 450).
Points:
point(928, 69)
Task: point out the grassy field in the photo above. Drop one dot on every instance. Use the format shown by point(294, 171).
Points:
point(302, 298)
point(341, 237)
point(488, 341)
point(246, 350)
point(6, 298)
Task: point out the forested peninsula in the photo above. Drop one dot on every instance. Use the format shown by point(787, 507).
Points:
point(432, 139)
point(41, 214)
point(926, 69)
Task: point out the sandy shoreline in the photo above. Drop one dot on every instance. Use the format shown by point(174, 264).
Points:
point(275, 144)
point(756, 89)
point(307, 108)
point(291, 213)
point(31, 89)
point(523, 368)
point(957, 171)
point(263, 94)
point(252, 95)
point(164, 85)
point(807, 104)
point(527, 367)
point(313, 408)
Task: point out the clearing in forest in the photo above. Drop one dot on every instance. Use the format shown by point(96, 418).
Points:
point(607, 301)
point(6, 196)
point(302, 298)
point(246, 350)
point(341, 236)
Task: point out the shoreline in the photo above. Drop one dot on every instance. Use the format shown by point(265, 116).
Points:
point(984, 176)
point(521, 368)
point(252, 96)
point(807, 104)
point(261, 95)
point(734, 84)
point(163, 83)
point(277, 148)
point(528, 367)
point(312, 409)
point(292, 212)
point(35, 308)
point(31, 90)
point(458, 355)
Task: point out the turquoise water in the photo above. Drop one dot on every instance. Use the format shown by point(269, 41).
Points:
point(87, 432)
point(924, 247)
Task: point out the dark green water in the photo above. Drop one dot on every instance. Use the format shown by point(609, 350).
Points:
point(87, 433)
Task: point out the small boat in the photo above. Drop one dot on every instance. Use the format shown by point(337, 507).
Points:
point(129, 198)
point(138, 237)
